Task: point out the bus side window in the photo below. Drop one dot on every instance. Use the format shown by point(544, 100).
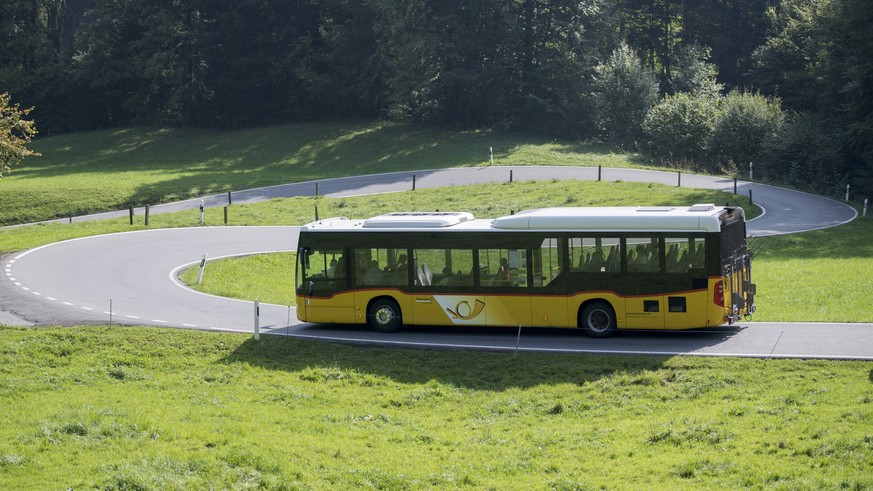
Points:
point(546, 262)
point(643, 255)
point(503, 267)
point(381, 267)
point(595, 255)
point(685, 254)
point(698, 258)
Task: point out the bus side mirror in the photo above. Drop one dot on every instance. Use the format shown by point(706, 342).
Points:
point(310, 288)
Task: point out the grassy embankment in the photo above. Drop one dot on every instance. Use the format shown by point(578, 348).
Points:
point(111, 169)
point(146, 408)
point(129, 408)
point(801, 278)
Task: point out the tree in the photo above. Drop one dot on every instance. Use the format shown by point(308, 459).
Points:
point(626, 91)
point(692, 73)
point(819, 60)
point(15, 133)
point(789, 63)
point(732, 29)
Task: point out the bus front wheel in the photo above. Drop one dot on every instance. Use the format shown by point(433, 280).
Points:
point(598, 320)
point(384, 315)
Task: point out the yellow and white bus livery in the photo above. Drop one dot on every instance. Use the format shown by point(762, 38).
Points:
point(598, 269)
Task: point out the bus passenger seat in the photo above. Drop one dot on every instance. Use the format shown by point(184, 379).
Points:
point(428, 276)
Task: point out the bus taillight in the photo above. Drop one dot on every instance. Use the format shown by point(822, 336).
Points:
point(718, 294)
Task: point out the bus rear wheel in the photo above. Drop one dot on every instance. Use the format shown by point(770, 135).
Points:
point(384, 315)
point(598, 320)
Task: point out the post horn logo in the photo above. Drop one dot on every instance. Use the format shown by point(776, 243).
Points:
point(463, 310)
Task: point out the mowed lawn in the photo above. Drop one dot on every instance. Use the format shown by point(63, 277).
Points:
point(147, 408)
point(110, 169)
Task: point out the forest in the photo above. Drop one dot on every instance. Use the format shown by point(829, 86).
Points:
point(705, 85)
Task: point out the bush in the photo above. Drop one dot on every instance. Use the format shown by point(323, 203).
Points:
point(679, 128)
point(711, 132)
point(746, 122)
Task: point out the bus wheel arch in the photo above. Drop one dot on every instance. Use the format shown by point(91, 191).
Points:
point(597, 318)
point(384, 314)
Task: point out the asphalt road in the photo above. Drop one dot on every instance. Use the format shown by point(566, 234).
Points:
point(130, 277)
point(785, 211)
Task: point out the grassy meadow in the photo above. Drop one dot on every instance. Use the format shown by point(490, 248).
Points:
point(146, 408)
point(110, 169)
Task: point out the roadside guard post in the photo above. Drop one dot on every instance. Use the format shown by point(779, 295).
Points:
point(200, 273)
point(257, 320)
point(201, 212)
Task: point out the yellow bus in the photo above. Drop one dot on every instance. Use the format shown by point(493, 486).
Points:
point(596, 269)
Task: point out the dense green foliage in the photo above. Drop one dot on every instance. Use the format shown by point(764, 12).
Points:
point(708, 131)
point(146, 408)
point(679, 127)
point(626, 91)
point(535, 65)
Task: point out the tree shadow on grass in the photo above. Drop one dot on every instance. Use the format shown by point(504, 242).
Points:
point(472, 368)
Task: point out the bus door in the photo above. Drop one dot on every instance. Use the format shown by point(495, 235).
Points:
point(644, 267)
point(548, 304)
point(503, 276)
point(322, 284)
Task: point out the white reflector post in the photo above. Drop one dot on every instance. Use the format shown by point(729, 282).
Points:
point(202, 265)
point(257, 319)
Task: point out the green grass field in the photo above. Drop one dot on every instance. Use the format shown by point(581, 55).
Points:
point(146, 408)
point(111, 169)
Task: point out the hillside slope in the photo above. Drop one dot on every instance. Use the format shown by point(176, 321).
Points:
point(111, 169)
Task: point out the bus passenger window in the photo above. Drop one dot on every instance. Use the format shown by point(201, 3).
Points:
point(595, 255)
point(443, 267)
point(503, 267)
point(546, 263)
point(643, 255)
point(685, 254)
point(697, 252)
point(381, 267)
